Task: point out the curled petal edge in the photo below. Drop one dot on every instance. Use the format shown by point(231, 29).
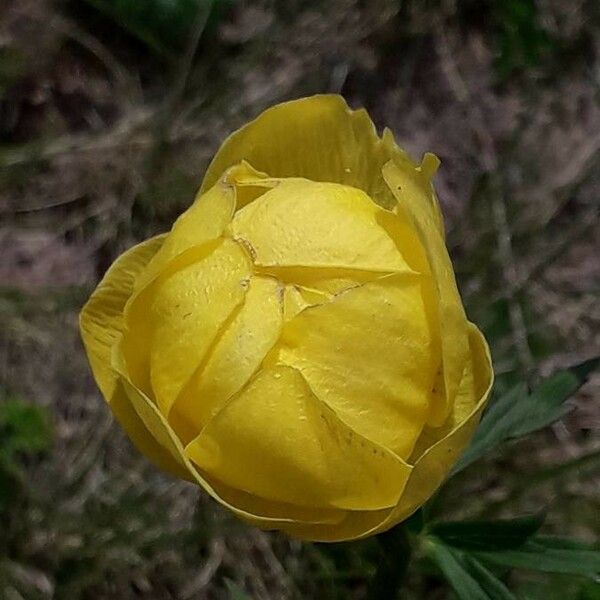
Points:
point(430, 468)
point(154, 422)
point(409, 190)
point(322, 139)
point(204, 222)
point(101, 320)
point(101, 325)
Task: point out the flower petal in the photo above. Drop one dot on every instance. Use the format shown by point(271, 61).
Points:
point(440, 447)
point(256, 511)
point(206, 219)
point(368, 355)
point(318, 138)
point(426, 170)
point(411, 188)
point(101, 319)
point(436, 451)
point(288, 514)
point(101, 324)
point(296, 298)
point(302, 223)
point(353, 526)
point(235, 356)
point(172, 325)
point(310, 458)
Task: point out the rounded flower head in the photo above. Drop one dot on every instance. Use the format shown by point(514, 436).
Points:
point(296, 343)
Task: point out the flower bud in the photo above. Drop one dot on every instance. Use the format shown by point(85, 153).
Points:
point(296, 344)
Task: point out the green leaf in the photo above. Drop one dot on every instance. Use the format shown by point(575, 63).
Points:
point(163, 25)
point(549, 555)
point(562, 543)
point(493, 587)
point(547, 401)
point(496, 425)
point(488, 535)
point(517, 414)
point(450, 564)
point(235, 591)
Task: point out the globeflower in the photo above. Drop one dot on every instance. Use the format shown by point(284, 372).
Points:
point(296, 344)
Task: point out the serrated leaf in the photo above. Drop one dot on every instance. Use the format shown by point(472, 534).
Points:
point(488, 535)
point(448, 560)
point(516, 413)
point(235, 591)
point(548, 555)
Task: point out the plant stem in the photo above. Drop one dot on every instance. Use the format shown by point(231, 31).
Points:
point(395, 556)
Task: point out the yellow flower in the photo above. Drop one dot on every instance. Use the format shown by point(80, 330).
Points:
point(296, 344)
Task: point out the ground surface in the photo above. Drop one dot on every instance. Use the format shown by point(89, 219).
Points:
point(103, 141)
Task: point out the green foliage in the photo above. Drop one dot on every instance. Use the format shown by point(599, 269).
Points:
point(163, 25)
point(469, 579)
point(487, 535)
point(547, 401)
point(549, 555)
point(491, 585)
point(464, 561)
point(517, 414)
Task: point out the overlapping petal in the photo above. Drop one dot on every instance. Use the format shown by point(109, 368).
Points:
point(436, 451)
point(184, 311)
point(367, 354)
point(101, 324)
point(318, 138)
point(257, 511)
point(296, 345)
point(235, 356)
point(411, 188)
point(301, 223)
point(206, 219)
point(277, 440)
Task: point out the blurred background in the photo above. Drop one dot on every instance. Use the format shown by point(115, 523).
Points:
point(109, 113)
